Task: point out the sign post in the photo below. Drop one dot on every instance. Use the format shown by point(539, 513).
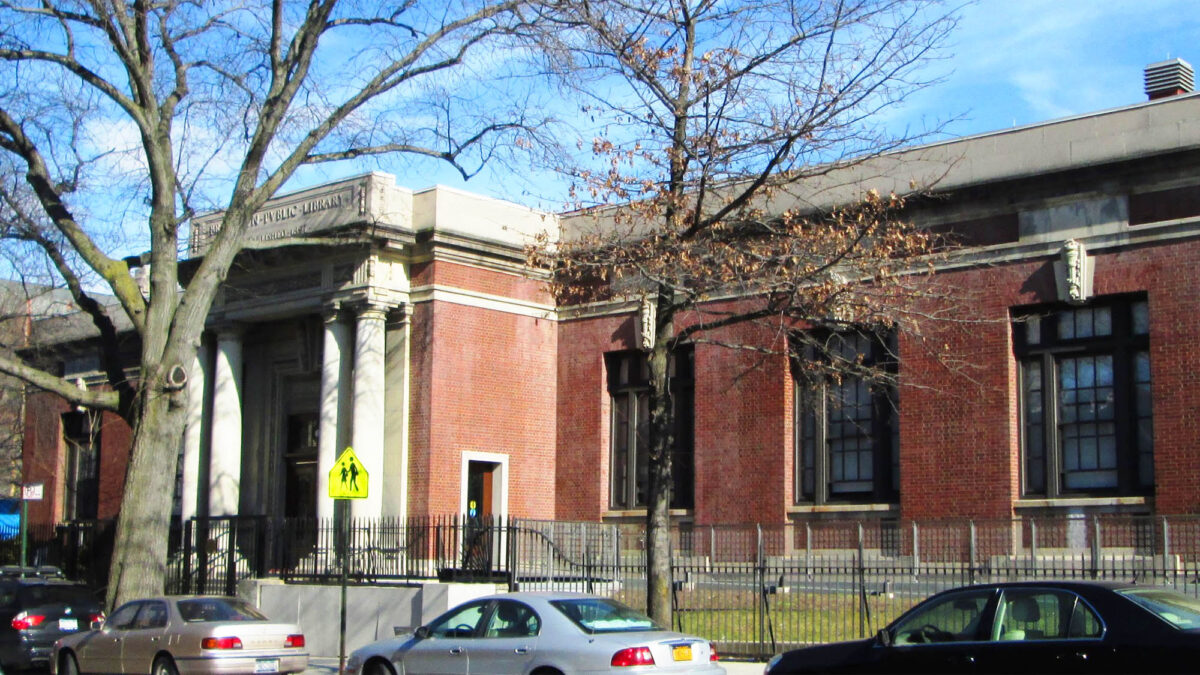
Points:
point(30, 492)
point(347, 480)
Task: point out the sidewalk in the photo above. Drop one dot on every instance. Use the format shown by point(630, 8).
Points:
point(320, 665)
point(743, 667)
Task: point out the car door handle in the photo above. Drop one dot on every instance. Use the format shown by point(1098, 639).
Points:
point(456, 650)
point(154, 639)
point(521, 650)
point(1073, 656)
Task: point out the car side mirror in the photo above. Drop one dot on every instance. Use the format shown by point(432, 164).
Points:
point(422, 632)
point(884, 637)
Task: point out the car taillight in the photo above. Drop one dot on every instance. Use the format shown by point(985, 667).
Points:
point(712, 652)
point(26, 620)
point(221, 643)
point(93, 618)
point(294, 641)
point(633, 656)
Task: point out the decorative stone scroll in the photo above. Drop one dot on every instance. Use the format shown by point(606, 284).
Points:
point(1073, 273)
point(646, 323)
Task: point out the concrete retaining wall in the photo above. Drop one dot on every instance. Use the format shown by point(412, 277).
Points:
point(372, 612)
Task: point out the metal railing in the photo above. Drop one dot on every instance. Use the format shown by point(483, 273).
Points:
point(752, 589)
point(82, 550)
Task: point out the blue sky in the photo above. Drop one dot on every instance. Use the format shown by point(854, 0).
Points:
point(1024, 61)
point(1011, 62)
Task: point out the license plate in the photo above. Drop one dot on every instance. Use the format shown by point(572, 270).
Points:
point(266, 666)
point(68, 624)
point(682, 652)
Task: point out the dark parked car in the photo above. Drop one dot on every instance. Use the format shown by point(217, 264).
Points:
point(1031, 627)
point(35, 611)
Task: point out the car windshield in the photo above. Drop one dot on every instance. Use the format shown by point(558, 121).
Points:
point(600, 615)
point(217, 609)
point(1175, 608)
point(52, 594)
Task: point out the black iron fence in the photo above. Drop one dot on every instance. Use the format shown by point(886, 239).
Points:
point(81, 550)
point(752, 589)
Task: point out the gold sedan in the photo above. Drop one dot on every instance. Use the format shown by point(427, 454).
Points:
point(183, 635)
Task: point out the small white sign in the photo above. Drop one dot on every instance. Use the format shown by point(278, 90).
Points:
point(31, 492)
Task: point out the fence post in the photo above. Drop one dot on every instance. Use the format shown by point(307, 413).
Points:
point(232, 531)
point(1166, 548)
point(1095, 547)
point(510, 548)
point(616, 545)
point(808, 570)
point(916, 551)
point(761, 574)
point(712, 546)
point(974, 552)
point(863, 608)
point(203, 532)
point(1033, 546)
point(186, 586)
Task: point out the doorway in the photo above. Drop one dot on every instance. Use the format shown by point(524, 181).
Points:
point(481, 478)
point(484, 506)
point(300, 466)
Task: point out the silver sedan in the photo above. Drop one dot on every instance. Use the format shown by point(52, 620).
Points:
point(183, 635)
point(543, 633)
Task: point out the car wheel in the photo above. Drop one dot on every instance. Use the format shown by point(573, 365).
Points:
point(67, 665)
point(378, 667)
point(163, 665)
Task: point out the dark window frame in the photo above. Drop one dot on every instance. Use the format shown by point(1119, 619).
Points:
point(1040, 352)
point(629, 393)
point(813, 481)
point(81, 444)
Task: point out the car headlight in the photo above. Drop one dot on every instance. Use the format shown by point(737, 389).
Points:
point(771, 664)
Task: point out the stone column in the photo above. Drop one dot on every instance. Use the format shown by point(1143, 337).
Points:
point(395, 470)
point(333, 436)
point(369, 409)
point(225, 459)
point(193, 434)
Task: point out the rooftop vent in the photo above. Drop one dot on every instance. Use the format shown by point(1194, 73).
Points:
point(1169, 78)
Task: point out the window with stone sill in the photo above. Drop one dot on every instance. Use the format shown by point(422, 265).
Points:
point(847, 445)
point(1086, 412)
point(629, 389)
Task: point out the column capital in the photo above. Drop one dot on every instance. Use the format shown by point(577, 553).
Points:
point(401, 315)
point(331, 312)
point(372, 310)
point(229, 331)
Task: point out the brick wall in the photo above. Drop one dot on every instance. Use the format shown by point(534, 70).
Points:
point(483, 380)
point(115, 439)
point(744, 458)
point(959, 400)
point(743, 461)
point(581, 478)
point(44, 458)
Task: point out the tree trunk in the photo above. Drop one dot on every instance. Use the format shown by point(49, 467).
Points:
point(658, 517)
point(143, 527)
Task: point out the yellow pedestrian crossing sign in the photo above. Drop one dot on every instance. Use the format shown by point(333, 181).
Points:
point(348, 477)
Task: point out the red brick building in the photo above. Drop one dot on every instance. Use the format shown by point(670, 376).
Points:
point(443, 361)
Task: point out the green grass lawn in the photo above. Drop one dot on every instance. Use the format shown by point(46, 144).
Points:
point(787, 619)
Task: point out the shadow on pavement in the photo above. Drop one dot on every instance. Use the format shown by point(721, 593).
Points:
point(323, 665)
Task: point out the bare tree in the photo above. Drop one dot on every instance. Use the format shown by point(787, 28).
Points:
point(713, 121)
point(131, 117)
